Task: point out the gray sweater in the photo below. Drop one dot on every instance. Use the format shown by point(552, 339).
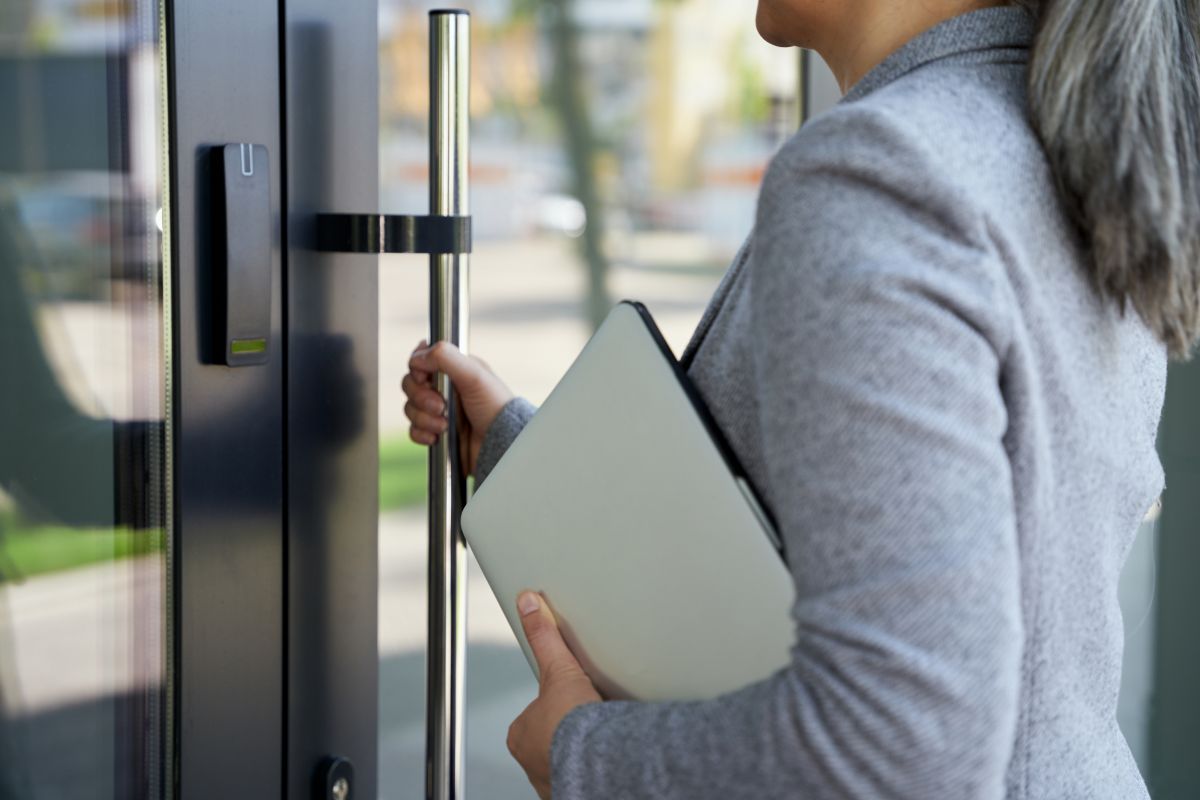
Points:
point(957, 439)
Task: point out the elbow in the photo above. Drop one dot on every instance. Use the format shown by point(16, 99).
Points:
point(910, 723)
point(969, 747)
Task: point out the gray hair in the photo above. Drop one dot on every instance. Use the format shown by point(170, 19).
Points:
point(1114, 88)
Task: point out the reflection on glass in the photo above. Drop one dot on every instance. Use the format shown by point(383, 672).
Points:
point(617, 150)
point(82, 601)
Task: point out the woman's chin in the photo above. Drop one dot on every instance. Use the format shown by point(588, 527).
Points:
point(769, 29)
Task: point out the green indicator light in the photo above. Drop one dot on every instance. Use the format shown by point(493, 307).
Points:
point(241, 347)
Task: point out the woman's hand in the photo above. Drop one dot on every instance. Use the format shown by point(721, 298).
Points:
point(481, 394)
point(563, 687)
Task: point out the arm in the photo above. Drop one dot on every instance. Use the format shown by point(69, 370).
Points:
point(880, 325)
point(500, 435)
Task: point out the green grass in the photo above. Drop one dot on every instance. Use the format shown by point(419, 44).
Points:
point(28, 549)
point(403, 474)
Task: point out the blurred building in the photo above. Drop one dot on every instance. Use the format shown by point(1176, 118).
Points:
point(687, 105)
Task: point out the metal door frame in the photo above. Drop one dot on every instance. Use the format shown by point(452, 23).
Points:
point(331, 109)
point(227, 445)
point(273, 662)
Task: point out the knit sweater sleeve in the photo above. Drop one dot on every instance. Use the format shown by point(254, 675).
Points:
point(503, 431)
point(880, 322)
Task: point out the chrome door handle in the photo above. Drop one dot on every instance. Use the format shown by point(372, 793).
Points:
point(449, 190)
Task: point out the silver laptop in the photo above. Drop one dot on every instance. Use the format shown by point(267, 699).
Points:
point(623, 505)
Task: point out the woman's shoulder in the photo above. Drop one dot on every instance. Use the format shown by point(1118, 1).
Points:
point(954, 132)
point(863, 173)
point(866, 196)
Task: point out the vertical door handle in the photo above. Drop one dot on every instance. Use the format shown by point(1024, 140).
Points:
point(449, 130)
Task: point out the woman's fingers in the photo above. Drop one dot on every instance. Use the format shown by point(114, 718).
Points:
point(422, 375)
point(554, 658)
point(434, 423)
point(446, 358)
point(422, 437)
point(426, 428)
point(422, 395)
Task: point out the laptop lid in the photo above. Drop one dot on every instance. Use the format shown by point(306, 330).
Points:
point(622, 505)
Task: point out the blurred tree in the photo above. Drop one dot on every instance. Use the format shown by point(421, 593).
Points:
point(569, 99)
point(579, 140)
point(15, 18)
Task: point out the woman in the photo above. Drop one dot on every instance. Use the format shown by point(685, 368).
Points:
point(942, 358)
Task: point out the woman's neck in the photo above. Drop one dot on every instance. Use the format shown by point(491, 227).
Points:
point(869, 32)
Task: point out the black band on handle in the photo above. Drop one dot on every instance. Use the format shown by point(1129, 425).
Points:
point(388, 233)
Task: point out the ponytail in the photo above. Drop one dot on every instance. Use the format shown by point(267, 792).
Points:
point(1114, 90)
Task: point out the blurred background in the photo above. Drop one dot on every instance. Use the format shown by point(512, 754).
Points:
point(84, 609)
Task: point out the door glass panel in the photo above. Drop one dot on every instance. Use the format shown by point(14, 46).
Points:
point(674, 142)
point(83, 609)
point(1137, 590)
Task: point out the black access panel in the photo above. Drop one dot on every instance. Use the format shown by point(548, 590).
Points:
point(241, 241)
point(226, 383)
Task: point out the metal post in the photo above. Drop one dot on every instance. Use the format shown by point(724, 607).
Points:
point(449, 87)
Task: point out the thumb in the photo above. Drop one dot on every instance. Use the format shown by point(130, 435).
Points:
point(444, 357)
point(541, 630)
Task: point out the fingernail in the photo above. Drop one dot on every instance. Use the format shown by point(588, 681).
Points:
point(528, 603)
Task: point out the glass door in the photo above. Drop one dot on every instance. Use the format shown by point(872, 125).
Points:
point(85, 622)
